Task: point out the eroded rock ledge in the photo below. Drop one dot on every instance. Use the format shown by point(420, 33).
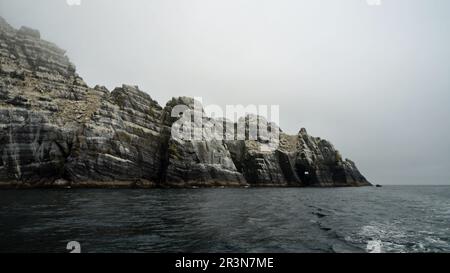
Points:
point(58, 132)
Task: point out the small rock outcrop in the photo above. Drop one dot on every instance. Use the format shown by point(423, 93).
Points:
point(56, 131)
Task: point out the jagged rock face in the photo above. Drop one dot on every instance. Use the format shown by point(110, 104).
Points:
point(37, 83)
point(260, 158)
point(299, 161)
point(202, 162)
point(318, 163)
point(55, 127)
point(263, 168)
point(57, 131)
point(121, 141)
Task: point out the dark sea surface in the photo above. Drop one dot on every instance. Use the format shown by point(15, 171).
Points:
point(388, 219)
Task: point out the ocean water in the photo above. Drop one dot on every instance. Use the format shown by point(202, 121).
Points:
point(388, 219)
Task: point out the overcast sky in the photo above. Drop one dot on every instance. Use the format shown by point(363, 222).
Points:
point(374, 80)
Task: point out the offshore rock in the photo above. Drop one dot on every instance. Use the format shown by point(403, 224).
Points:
point(56, 131)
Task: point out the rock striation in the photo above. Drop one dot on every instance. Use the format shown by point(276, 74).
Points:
point(56, 131)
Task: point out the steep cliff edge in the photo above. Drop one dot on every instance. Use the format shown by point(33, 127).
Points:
point(57, 131)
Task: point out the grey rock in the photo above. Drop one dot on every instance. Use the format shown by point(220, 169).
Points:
point(119, 138)
point(61, 183)
point(203, 162)
point(56, 131)
point(29, 32)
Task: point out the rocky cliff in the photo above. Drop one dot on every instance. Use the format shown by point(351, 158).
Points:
point(58, 132)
